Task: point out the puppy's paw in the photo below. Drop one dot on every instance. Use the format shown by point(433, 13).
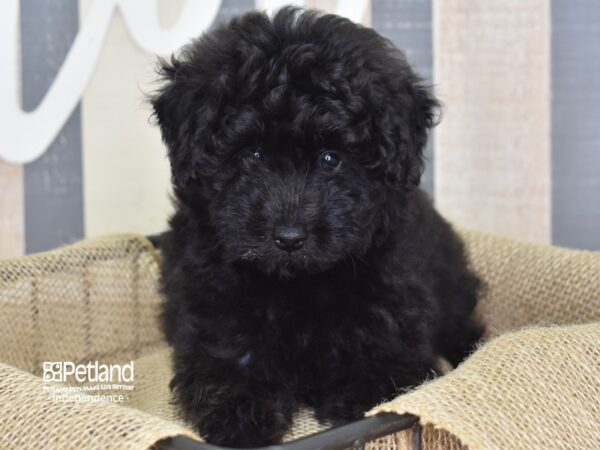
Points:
point(244, 421)
point(340, 411)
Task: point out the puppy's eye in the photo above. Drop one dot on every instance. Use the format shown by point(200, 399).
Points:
point(330, 160)
point(254, 153)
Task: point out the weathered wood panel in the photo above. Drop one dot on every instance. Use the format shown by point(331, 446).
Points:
point(492, 156)
point(11, 210)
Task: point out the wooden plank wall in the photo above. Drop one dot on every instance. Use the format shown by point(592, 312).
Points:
point(516, 153)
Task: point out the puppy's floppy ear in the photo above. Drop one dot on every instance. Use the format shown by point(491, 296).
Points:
point(178, 111)
point(409, 117)
point(425, 114)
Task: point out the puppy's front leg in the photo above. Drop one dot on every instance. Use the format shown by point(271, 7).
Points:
point(228, 410)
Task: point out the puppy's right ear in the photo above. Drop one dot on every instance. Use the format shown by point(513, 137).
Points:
point(176, 112)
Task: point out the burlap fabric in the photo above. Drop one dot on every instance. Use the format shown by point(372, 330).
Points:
point(97, 300)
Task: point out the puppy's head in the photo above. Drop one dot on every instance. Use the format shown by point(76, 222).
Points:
point(295, 135)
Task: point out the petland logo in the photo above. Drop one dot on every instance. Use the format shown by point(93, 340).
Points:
point(92, 372)
point(91, 382)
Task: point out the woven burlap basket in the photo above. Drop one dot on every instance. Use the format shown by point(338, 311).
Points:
point(535, 383)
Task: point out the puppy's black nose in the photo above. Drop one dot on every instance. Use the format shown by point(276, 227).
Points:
point(289, 238)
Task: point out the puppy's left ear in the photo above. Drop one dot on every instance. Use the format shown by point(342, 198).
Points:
point(422, 115)
point(407, 118)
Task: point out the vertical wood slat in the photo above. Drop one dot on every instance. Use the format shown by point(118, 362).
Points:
point(11, 210)
point(575, 131)
point(125, 170)
point(492, 155)
point(52, 184)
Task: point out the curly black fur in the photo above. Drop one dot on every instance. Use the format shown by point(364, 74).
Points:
point(256, 115)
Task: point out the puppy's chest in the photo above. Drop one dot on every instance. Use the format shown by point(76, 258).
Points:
point(292, 327)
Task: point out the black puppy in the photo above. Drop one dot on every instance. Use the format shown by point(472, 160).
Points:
point(303, 265)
